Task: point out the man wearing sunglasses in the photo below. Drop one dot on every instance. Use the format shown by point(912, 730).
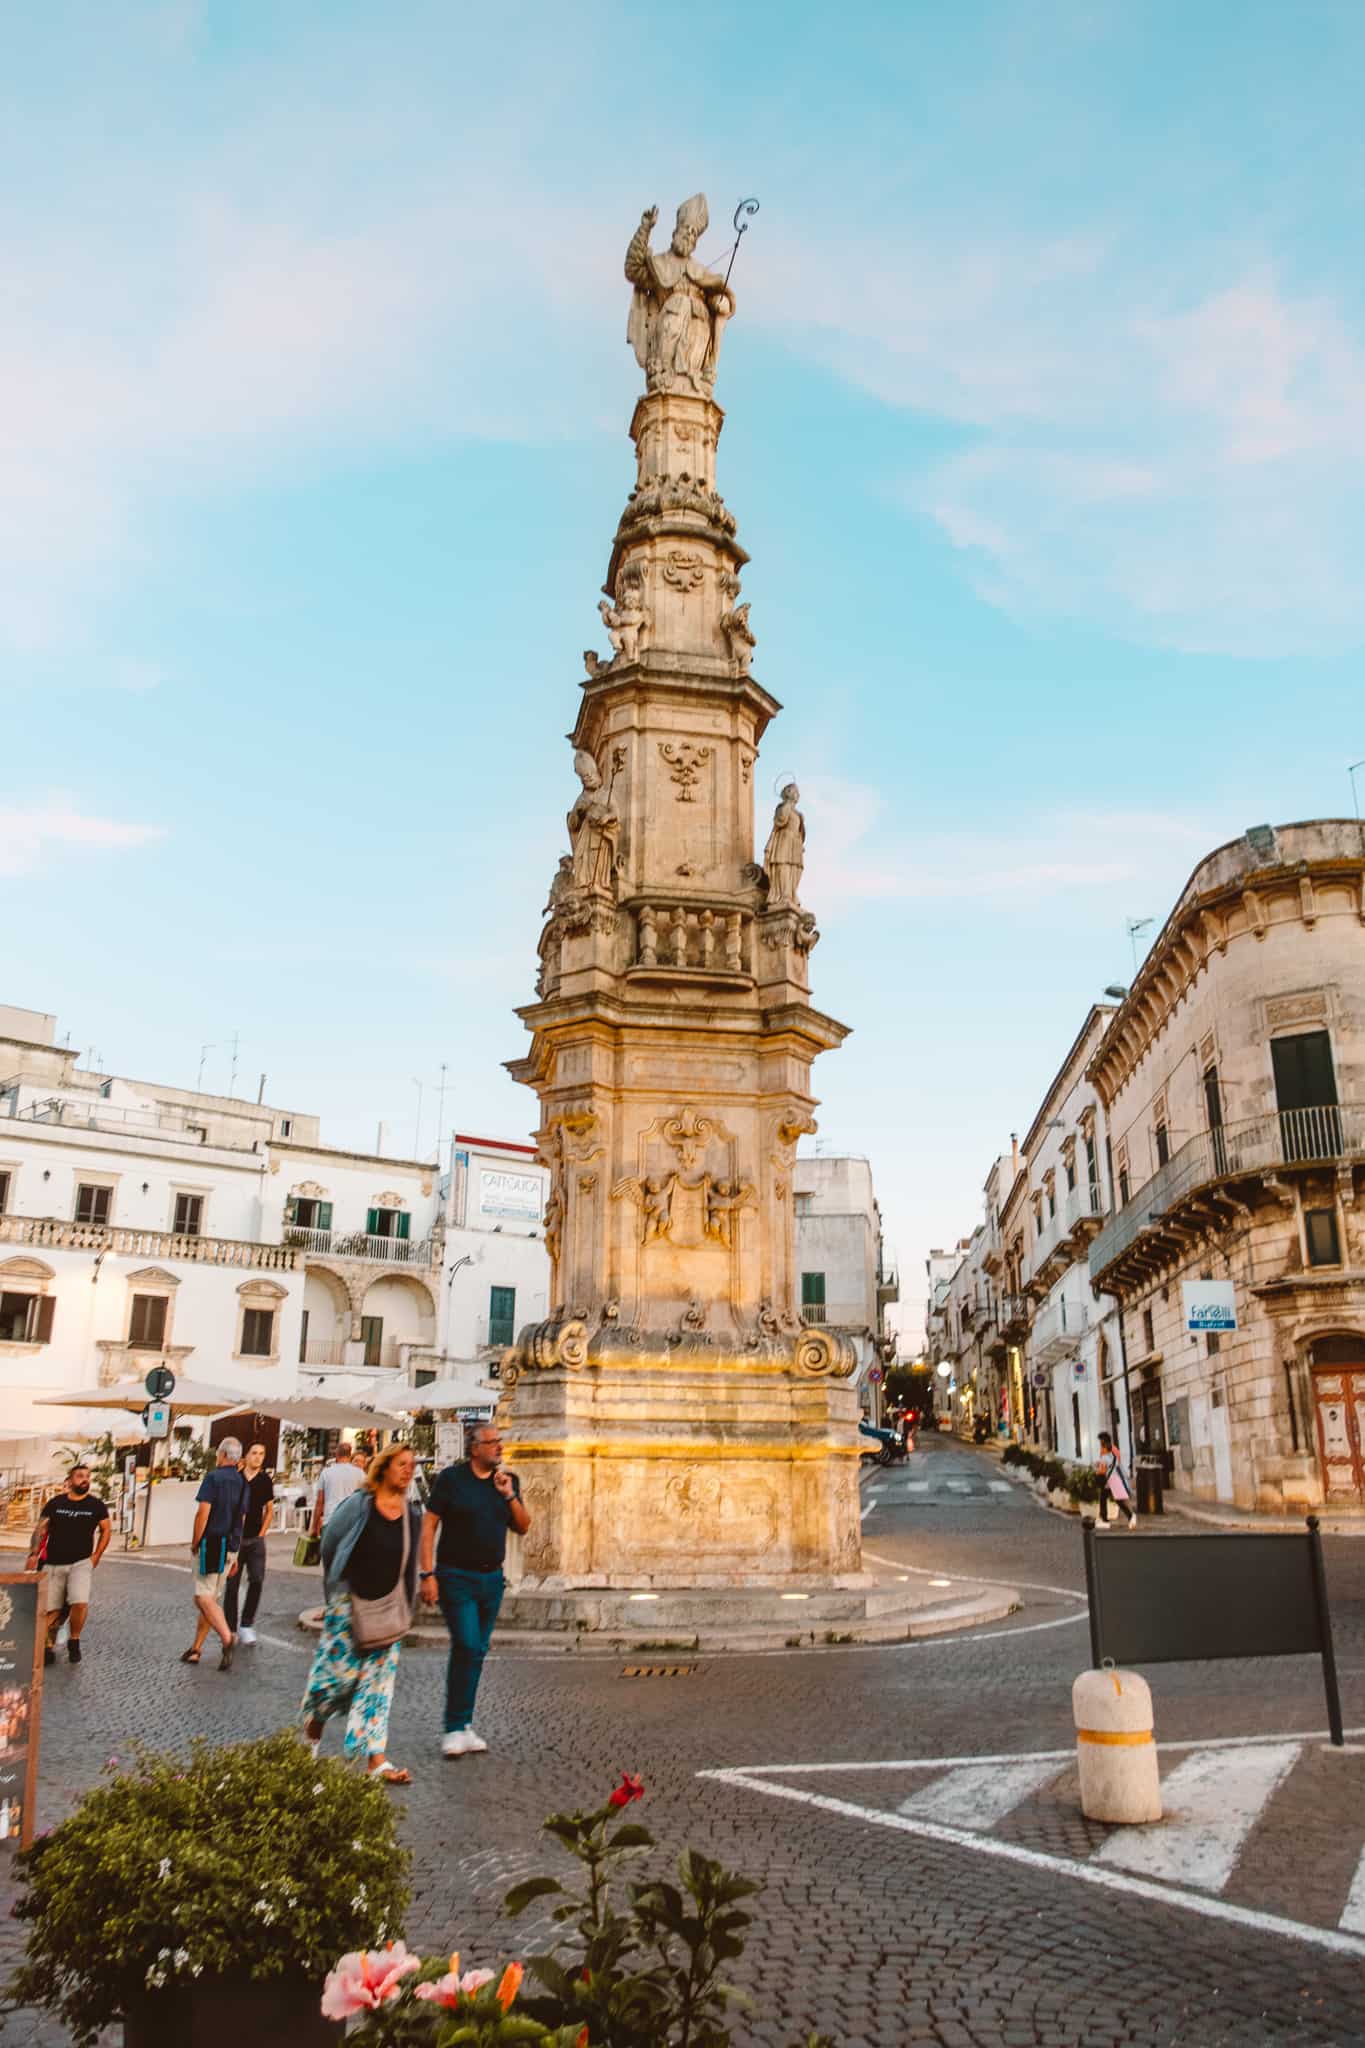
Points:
point(472, 1506)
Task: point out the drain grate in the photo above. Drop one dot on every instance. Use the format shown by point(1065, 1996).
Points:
point(658, 1670)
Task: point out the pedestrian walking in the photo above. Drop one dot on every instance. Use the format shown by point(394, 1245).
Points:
point(260, 1513)
point(71, 1536)
point(473, 1505)
point(369, 1571)
point(337, 1483)
point(1113, 1485)
point(218, 1518)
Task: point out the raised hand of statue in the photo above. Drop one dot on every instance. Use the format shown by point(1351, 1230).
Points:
point(649, 219)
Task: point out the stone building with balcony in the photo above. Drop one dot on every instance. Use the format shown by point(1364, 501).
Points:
point(1232, 1077)
point(847, 1280)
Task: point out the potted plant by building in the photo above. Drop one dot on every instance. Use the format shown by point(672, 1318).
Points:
point(203, 1898)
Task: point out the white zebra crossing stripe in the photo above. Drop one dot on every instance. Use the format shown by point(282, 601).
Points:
point(1000, 1486)
point(1353, 1919)
point(980, 1795)
point(1212, 1801)
point(917, 1485)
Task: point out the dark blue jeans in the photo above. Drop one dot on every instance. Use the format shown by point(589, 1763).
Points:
point(470, 1603)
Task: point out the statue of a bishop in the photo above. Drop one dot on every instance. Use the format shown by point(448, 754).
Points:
point(679, 308)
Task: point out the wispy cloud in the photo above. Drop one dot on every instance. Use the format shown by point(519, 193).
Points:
point(33, 835)
point(852, 858)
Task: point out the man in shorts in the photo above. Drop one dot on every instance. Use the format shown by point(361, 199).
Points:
point(221, 1505)
point(77, 1527)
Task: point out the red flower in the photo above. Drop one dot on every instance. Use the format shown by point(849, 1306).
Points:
point(629, 1788)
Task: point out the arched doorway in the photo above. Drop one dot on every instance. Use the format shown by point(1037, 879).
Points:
point(1337, 1368)
point(397, 1311)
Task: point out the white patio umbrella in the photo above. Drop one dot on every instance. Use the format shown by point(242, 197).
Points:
point(191, 1397)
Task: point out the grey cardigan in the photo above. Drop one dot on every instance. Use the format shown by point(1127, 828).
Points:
point(341, 1533)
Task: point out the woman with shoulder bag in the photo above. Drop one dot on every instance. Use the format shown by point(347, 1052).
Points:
point(1113, 1485)
point(369, 1571)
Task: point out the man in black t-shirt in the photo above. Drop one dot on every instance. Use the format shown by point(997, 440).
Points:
point(260, 1512)
point(77, 1529)
point(473, 1505)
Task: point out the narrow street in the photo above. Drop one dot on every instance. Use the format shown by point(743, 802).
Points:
point(911, 1810)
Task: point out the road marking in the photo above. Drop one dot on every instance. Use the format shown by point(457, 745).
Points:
point(917, 1485)
point(1017, 1756)
point(999, 1486)
point(869, 1509)
point(1090, 1873)
point(959, 1485)
point(1353, 1919)
point(1010, 1585)
point(1211, 1805)
point(279, 1643)
point(978, 1795)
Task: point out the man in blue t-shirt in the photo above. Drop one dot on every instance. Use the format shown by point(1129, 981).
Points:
point(220, 1508)
point(473, 1505)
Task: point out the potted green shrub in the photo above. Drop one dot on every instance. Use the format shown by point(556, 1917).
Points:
point(202, 1898)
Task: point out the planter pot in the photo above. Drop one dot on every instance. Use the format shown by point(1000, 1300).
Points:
point(226, 2012)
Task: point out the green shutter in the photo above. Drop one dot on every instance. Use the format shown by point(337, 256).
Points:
point(372, 1223)
point(812, 1290)
point(502, 1315)
point(404, 1221)
point(324, 1221)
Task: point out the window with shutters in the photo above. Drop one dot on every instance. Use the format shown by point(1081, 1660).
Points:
point(1162, 1138)
point(26, 1318)
point(1148, 1335)
point(307, 1212)
point(4, 1193)
point(387, 1223)
point(147, 1322)
point(372, 1337)
point(258, 1332)
point(1322, 1237)
point(188, 1220)
point(813, 1297)
point(502, 1315)
point(93, 1203)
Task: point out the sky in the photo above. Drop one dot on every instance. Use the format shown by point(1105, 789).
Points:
point(1045, 432)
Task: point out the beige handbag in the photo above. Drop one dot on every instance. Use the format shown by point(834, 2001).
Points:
point(375, 1624)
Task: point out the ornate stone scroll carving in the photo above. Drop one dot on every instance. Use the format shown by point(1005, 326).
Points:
point(683, 569)
point(824, 1354)
point(687, 1133)
point(679, 308)
point(685, 763)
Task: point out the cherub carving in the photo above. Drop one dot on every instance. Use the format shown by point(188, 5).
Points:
point(724, 1200)
point(735, 626)
point(653, 1197)
point(627, 620)
point(553, 1223)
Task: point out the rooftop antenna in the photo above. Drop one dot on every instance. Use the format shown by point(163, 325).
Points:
point(1355, 793)
point(417, 1135)
point(204, 1052)
point(232, 1082)
point(441, 1111)
point(1136, 925)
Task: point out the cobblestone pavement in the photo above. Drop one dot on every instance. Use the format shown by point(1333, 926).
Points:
point(908, 1896)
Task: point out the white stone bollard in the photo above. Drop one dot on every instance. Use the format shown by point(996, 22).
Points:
point(1115, 1748)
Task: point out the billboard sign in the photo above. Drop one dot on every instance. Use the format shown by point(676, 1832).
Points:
point(509, 1194)
point(1209, 1304)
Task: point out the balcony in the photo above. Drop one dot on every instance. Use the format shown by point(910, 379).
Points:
point(358, 1244)
point(1138, 1235)
point(54, 1233)
point(1057, 1331)
point(844, 1315)
point(93, 1113)
point(1014, 1316)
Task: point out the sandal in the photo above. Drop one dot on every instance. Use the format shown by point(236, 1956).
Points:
point(391, 1774)
point(189, 1656)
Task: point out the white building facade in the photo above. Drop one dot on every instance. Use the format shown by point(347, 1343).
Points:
point(845, 1277)
point(143, 1225)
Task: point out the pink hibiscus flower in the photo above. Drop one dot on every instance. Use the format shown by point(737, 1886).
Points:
point(362, 1982)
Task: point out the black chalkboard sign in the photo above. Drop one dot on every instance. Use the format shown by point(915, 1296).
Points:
point(1178, 1599)
point(21, 1693)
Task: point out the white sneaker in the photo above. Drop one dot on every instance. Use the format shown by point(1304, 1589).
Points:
point(246, 1635)
point(473, 1742)
point(456, 1743)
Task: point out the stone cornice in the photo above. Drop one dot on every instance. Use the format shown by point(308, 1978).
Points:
point(1234, 906)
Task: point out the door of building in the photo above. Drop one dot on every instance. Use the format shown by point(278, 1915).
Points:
point(1306, 1095)
point(1149, 1418)
point(1220, 1437)
point(1339, 1401)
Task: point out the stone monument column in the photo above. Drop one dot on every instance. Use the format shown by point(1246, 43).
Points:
point(673, 1421)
